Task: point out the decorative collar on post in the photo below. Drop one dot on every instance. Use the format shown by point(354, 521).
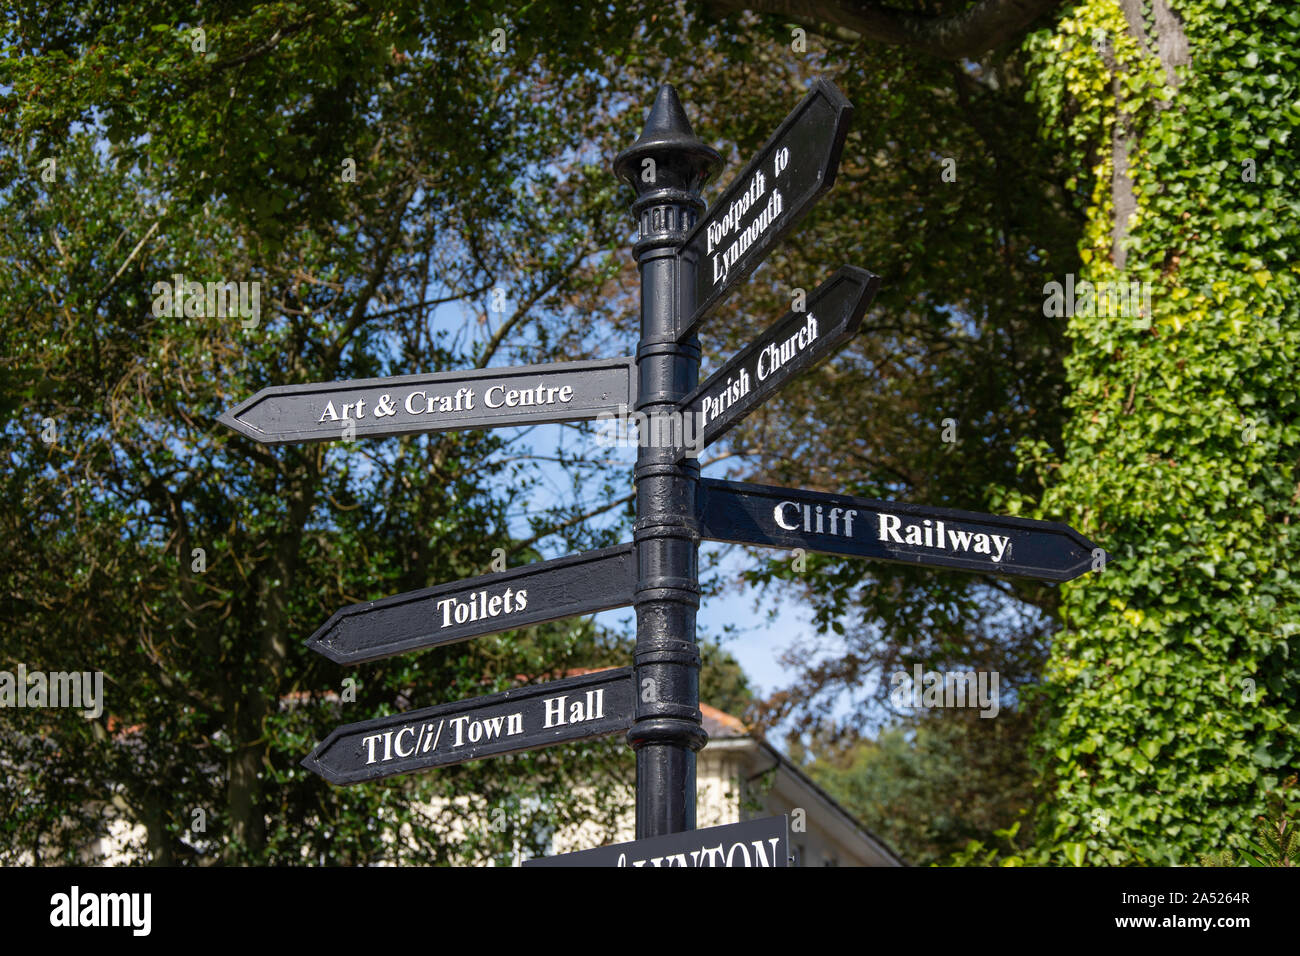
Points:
point(667, 166)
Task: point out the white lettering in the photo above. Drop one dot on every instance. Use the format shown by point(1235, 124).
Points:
point(779, 517)
point(554, 711)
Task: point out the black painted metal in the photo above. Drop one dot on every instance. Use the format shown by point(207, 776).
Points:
point(436, 402)
point(502, 601)
point(765, 201)
point(755, 843)
point(667, 166)
point(832, 315)
point(523, 718)
point(891, 531)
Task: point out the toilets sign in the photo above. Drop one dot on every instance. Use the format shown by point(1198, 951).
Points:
point(473, 607)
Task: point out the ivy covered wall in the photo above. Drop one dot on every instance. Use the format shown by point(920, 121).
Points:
point(1169, 706)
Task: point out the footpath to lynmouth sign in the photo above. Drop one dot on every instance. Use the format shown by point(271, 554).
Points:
point(891, 531)
point(438, 402)
point(791, 346)
point(524, 718)
point(502, 601)
point(752, 843)
point(766, 200)
point(687, 264)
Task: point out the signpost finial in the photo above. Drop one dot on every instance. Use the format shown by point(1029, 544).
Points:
point(681, 159)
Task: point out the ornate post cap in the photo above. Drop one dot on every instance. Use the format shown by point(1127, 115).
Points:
point(682, 161)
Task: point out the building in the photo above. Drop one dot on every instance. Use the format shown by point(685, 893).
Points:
point(740, 777)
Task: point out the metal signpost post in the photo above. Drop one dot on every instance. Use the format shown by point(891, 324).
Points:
point(688, 265)
point(667, 166)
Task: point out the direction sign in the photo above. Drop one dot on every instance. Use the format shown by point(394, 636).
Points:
point(525, 718)
point(766, 200)
point(488, 604)
point(436, 402)
point(764, 842)
point(890, 531)
point(792, 345)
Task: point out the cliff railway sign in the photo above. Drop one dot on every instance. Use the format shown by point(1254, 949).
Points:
point(687, 265)
point(893, 531)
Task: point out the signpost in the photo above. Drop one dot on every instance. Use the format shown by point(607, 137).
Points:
point(687, 265)
point(754, 843)
point(893, 531)
point(524, 718)
point(764, 202)
point(791, 346)
point(491, 603)
point(438, 402)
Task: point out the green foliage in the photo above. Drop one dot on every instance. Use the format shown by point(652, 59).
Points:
point(1170, 700)
point(1275, 842)
point(1168, 705)
point(226, 165)
point(975, 853)
point(931, 786)
point(723, 683)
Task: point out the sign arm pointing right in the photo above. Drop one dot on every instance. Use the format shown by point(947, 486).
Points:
point(893, 531)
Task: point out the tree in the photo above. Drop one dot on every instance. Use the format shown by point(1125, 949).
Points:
point(1168, 704)
point(188, 564)
point(1170, 699)
point(932, 785)
point(478, 139)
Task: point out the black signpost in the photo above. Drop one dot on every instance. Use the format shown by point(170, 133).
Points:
point(791, 346)
point(764, 202)
point(754, 843)
point(687, 265)
point(523, 718)
point(474, 607)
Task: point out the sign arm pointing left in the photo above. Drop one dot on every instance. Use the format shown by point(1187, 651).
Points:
point(436, 402)
point(488, 604)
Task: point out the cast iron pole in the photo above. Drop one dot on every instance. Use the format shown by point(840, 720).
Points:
point(667, 166)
